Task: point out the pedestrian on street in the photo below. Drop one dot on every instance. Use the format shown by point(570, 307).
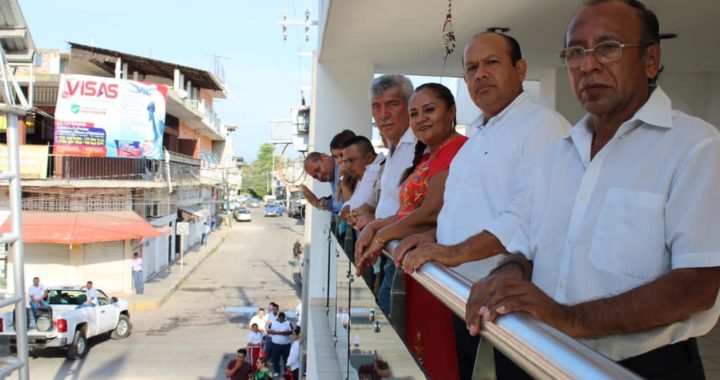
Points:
point(239, 369)
point(293, 361)
point(206, 233)
point(297, 250)
point(137, 273)
point(263, 370)
point(254, 343)
point(280, 335)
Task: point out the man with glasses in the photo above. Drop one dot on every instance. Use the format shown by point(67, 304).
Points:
point(619, 245)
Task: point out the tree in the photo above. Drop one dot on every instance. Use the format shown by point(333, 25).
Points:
point(257, 175)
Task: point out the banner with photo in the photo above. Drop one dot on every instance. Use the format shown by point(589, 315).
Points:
point(108, 117)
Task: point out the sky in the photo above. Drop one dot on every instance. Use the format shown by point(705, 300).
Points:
point(263, 72)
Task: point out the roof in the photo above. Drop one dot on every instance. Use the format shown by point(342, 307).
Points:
point(148, 66)
point(82, 227)
point(14, 34)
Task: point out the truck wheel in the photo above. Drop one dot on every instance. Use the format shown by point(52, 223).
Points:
point(123, 328)
point(78, 348)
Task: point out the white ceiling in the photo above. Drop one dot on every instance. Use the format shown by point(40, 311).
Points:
point(405, 36)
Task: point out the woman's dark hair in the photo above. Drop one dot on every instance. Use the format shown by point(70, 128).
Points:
point(419, 153)
point(443, 93)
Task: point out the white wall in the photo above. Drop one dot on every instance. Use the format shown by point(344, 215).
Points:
point(697, 94)
point(340, 101)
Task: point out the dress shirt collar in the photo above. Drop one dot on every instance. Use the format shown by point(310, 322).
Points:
point(657, 111)
point(480, 123)
point(407, 138)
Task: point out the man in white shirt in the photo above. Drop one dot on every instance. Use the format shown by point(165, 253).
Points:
point(259, 319)
point(389, 96)
point(90, 296)
point(510, 134)
point(363, 163)
point(620, 220)
point(37, 294)
point(279, 333)
point(293, 360)
point(137, 272)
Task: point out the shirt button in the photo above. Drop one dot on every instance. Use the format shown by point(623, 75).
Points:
point(583, 197)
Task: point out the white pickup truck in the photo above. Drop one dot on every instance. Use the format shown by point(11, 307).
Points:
point(66, 325)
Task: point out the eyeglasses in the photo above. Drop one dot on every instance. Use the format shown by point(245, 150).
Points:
point(605, 52)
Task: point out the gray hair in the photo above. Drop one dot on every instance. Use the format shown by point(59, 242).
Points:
point(388, 81)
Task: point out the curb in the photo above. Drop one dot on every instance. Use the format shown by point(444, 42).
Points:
point(153, 305)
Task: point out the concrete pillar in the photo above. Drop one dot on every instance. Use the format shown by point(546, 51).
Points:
point(696, 94)
point(118, 68)
point(136, 76)
point(556, 92)
point(177, 82)
point(340, 101)
point(124, 71)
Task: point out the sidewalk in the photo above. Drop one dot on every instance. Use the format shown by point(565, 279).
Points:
point(161, 286)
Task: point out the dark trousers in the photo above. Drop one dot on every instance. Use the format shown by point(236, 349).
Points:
point(676, 361)
point(466, 346)
point(280, 354)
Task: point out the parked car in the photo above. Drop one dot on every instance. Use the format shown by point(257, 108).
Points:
point(242, 214)
point(254, 203)
point(65, 325)
point(274, 209)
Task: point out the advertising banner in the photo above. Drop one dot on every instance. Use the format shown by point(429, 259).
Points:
point(108, 117)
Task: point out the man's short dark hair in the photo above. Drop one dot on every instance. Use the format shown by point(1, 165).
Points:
point(274, 304)
point(296, 330)
point(261, 309)
point(254, 325)
point(281, 314)
point(242, 351)
point(363, 144)
point(650, 23)
point(36, 278)
point(338, 141)
point(312, 157)
point(135, 254)
point(513, 46)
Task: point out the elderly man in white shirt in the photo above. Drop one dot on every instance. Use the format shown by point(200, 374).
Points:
point(509, 134)
point(389, 96)
point(619, 244)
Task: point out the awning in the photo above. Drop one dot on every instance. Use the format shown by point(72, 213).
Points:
point(191, 213)
point(82, 227)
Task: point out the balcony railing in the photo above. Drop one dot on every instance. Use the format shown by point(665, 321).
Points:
point(45, 95)
point(538, 348)
point(182, 168)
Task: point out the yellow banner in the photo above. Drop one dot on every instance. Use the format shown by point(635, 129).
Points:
point(3, 123)
point(33, 161)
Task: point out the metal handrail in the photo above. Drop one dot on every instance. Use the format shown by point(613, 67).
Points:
point(541, 350)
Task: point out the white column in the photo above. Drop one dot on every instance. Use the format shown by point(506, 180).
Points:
point(556, 92)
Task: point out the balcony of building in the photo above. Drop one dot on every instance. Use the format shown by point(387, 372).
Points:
point(351, 53)
point(41, 168)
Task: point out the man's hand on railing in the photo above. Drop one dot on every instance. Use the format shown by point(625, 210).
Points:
point(443, 254)
point(410, 243)
point(365, 240)
point(507, 290)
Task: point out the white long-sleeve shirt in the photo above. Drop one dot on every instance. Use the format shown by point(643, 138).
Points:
point(365, 189)
point(482, 176)
point(395, 164)
point(293, 360)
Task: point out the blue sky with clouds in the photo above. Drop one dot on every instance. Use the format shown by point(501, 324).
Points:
point(262, 71)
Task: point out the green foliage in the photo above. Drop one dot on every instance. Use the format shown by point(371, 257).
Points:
point(256, 175)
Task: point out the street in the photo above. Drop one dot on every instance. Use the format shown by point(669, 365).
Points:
point(196, 333)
